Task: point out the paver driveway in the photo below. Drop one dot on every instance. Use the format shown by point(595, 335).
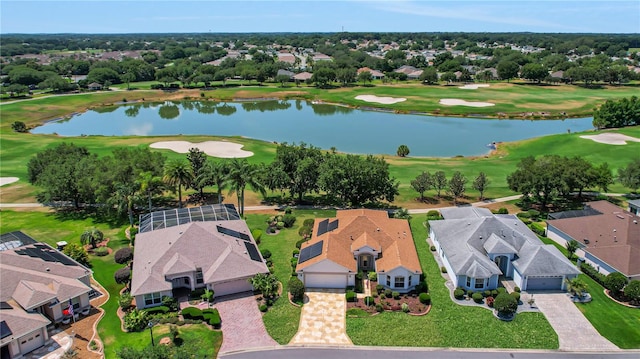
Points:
point(242, 326)
point(323, 319)
point(575, 332)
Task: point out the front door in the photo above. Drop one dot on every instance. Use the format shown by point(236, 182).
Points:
point(366, 262)
point(501, 262)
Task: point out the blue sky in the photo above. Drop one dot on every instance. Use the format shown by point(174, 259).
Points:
point(157, 16)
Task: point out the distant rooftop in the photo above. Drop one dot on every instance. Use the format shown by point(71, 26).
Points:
point(174, 217)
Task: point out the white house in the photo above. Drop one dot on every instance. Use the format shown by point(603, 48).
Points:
point(359, 240)
point(477, 247)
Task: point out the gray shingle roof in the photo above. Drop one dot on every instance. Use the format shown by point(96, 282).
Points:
point(543, 260)
point(465, 212)
point(183, 248)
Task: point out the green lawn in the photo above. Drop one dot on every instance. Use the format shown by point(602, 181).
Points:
point(282, 319)
point(51, 227)
point(448, 324)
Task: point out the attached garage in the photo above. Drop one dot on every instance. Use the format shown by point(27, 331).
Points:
point(31, 342)
point(232, 287)
point(322, 280)
point(544, 283)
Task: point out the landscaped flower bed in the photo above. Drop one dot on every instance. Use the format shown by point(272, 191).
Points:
point(409, 303)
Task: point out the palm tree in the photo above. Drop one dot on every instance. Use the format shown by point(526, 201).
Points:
point(177, 173)
point(125, 198)
point(241, 175)
point(572, 247)
point(149, 184)
point(214, 174)
point(91, 236)
point(576, 287)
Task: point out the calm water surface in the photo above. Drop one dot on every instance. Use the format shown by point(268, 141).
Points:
point(324, 126)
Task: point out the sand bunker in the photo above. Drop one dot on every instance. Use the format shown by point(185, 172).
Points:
point(382, 100)
point(473, 86)
point(458, 102)
point(218, 149)
point(611, 138)
point(8, 180)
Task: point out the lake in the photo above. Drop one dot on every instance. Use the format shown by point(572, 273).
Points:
point(324, 126)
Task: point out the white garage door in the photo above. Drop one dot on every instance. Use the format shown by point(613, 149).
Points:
point(236, 286)
point(31, 342)
point(317, 280)
point(544, 283)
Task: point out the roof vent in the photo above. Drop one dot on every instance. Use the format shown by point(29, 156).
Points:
point(378, 229)
point(48, 269)
point(480, 237)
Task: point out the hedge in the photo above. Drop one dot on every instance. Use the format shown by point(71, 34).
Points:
point(458, 293)
point(296, 288)
point(516, 296)
point(593, 273)
point(350, 296)
point(192, 313)
point(159, 309)
point(425, 298)
point(477, 297)
point(122, 275)
point(212, 316)
point(537, 229)
point(289, 220)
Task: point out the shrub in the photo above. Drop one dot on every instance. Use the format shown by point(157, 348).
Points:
point(477, 297)
point(266, 254)
point(305, 231)
point(537, 229)
point(425, 298)
point(192, 313)
point(534, 214)
point(489, 301)
point(405, 307)
point(19, 126)
point(122, 275)
point(308, 222)
point(515, 296)
point(632, 291)
point(124, 301)
point(443, 269)
point(295, 251)
point(373, 276)
point(369, 301)
point(396, 295)
point(469, 293)
point(502, 210)
point(289, 220)
point(458, 293)
point(593, 273)
point(501, 290)
point(170, 303)
point(212, 316)
point(379, 307)
point(101, 251)
point(280, 225)
point(299, 243)
point(505, 304)
point(494, 293)
point(263, 308)
point(135, 320)
point(379, 288)
point(350, 296)
point(257, 235)
point(388, 293)
point(432, 248)
point(615, 282)
point(123, 255)
point(517, 289)
point(156, 310)
point(433, 213)
point(523, 215)
point(173, 333)
point(288, 210)
point(294, 262)
point(486, 293)
point(296, 289)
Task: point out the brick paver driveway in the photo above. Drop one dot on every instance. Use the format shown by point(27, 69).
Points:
point(323, 319)
point(575, 332)
point(242, 326)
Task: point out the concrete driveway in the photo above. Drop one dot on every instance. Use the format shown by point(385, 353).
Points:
point(575, 332)
point(323, 319)
point(242, 326)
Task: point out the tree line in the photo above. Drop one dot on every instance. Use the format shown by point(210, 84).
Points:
point(618, 113)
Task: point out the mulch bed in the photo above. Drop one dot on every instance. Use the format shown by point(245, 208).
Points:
point(390, 304)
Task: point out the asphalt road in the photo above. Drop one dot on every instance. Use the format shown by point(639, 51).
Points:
point(415, 353)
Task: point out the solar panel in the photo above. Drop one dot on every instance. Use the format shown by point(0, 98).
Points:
point(322, 227)
point(231, 232)
point(4, 330)
point(253, 252)
point(46, 254)
point(5, 305)
point(14, 240)
point(310, 252)
point(333, 225)
point(178, 216)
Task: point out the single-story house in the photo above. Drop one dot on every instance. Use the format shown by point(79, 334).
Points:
point(406, 69)
point(285, 73)
point(38, 285)
point(303, 76)
point(477, 247)
point(375, 74)
point(634, 206)
point(94, 86)
point(202, 247)
point(609, 236)
point(359, 240)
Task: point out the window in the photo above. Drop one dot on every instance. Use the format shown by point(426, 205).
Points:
point(410, 281)
point(479, 283)
point(399, 282)
point(388, 281)
point(468, 282)
point(152, 298)
point(199, 277)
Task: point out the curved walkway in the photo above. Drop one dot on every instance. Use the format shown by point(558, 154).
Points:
point(323, 319)
point(575, 333)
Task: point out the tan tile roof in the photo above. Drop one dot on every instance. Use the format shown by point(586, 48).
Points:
point(21, 322)
point(183, 248)
point(357, 227)
point(613, 236)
